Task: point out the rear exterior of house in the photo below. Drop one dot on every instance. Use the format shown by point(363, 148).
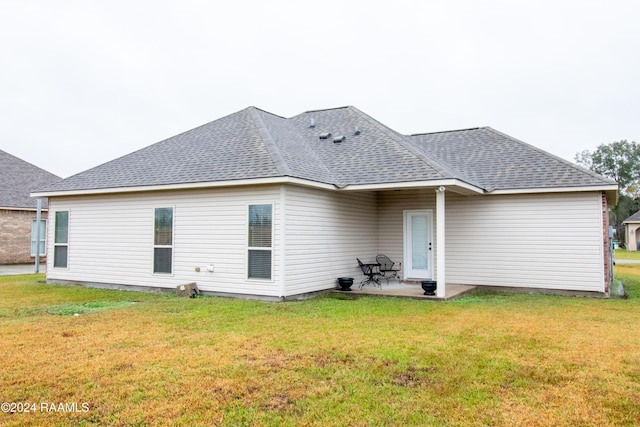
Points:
point(315, 236)
point(281, 234)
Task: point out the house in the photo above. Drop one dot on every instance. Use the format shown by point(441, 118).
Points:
point(18, 240)
point(632, 231)
point(254, 204)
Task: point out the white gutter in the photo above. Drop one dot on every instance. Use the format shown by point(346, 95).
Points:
point(471, 189)
point(611, 190)
point(453, 184)
point(191, 185)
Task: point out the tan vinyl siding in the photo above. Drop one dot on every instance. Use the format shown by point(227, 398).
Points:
point(326, 232)
point(111, 239)
point(549, 241)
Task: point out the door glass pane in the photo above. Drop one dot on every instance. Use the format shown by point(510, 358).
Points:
point(419, 242)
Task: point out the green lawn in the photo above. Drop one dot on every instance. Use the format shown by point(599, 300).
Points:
point(624, 254)
point(486, 359)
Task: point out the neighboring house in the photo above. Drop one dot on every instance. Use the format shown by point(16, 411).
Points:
point(632, 230)
point(18, 239)
point(261, 205)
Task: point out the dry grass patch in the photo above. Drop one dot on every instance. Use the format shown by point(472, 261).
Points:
point(488, 359)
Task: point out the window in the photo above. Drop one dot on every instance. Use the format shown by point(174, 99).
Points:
point(61, 240)
point(163, 240)
point(35, 240)
point(260, 232)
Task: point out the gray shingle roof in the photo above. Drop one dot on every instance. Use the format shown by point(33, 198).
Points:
point(495, 161)
point(18, 179)
point(377, 155)
point(253, 143)
point(633, 218)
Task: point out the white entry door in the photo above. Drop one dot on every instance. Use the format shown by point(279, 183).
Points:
point(418, 244)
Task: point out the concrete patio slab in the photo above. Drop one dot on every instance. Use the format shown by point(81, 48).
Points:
point(407, 290)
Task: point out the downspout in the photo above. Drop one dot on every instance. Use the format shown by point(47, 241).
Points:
point(283, 241)
point(38, 217)
point(607, 232)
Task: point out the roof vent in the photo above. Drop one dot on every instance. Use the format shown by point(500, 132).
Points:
point(340, 138)
point(325, 135)
point(313, 123)
point(357, 131)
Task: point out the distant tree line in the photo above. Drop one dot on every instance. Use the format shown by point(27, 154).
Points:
point(619, 160)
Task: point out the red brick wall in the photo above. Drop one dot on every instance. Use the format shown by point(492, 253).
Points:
point(606, 243)
point(15, 236)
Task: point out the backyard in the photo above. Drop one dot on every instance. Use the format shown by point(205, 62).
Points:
point(77, 356)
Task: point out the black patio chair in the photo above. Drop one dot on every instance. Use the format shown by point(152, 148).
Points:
point(386, 268)
point(372, 273)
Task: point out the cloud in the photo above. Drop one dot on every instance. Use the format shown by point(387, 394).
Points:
point(85, 82)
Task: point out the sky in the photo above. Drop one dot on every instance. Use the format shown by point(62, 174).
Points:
point(85, 82)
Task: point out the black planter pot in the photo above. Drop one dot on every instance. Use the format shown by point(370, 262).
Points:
point(345, 283)
point(429, 287)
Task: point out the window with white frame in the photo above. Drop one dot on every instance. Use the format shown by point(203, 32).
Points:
point(260, 241)
point(38, 241)
point(61, 239)
point(163, 241)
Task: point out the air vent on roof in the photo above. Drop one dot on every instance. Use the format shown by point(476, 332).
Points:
point(339, 139)
point(313, 123)
point(325, 135)
point(357, 131)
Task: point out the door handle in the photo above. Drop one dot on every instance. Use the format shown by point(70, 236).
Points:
point(429, 245)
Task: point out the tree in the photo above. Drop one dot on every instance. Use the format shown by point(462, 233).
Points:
point(620, 161)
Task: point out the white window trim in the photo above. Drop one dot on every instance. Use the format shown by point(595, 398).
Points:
point(253, 248)
point(173, 240)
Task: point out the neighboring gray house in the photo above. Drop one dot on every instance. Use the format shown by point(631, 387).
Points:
point(258, 204)
point(632, 231)
point(18, 239)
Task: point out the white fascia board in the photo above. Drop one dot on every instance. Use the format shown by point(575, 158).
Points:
point(11, 208)
point(554, 189)
point(610, 190)
point(453, 184)
point(192, 185)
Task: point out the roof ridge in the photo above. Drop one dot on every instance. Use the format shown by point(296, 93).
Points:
point(264, 111)
point(277, 158)
point(323, 109)
point(402, 139)
point(558, 158)
point(28, 164)
point(448, 131)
